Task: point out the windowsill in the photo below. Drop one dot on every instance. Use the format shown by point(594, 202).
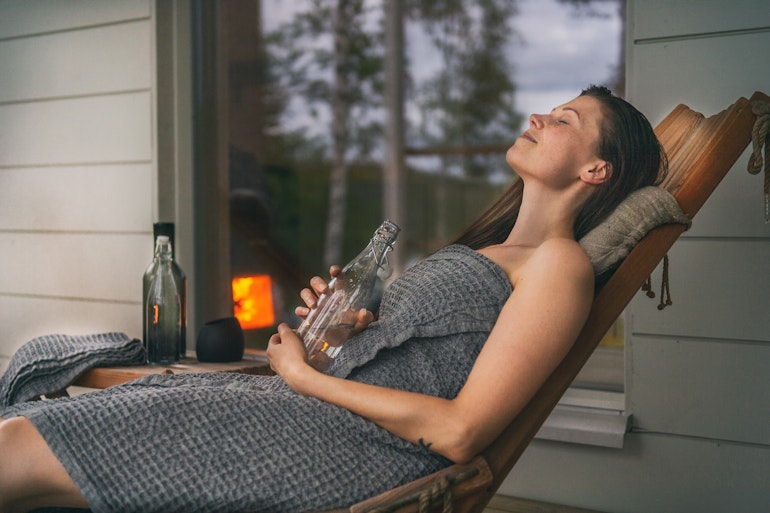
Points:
point(588, 417)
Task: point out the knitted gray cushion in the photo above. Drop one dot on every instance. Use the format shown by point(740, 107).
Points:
point(644, 209)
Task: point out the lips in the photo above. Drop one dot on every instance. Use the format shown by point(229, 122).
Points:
point(528, 137)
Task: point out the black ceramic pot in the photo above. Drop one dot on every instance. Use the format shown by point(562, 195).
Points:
point(220, 341)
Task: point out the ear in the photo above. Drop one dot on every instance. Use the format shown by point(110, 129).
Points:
point(597, 174)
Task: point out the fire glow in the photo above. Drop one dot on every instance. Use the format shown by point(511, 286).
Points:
point(253, 301)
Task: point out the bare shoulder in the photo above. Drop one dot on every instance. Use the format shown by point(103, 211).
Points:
point(560, 258)
point(562, 249)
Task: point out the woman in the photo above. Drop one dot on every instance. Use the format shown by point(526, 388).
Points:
point(463, 340)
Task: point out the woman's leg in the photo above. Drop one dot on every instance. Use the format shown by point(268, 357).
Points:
point(30, 475)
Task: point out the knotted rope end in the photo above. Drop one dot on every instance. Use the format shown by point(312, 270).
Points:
point(760, 140)
point(665, 286)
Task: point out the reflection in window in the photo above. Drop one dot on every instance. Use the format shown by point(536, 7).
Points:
point(307, 114)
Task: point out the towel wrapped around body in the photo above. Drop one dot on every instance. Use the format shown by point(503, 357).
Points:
point(231, 442)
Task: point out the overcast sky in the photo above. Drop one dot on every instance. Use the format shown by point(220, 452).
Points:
point(555, 50)
point(562, 52)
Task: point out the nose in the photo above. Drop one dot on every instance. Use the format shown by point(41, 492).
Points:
point(537, 120)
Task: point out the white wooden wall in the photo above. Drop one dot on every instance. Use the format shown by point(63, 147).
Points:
point(77, 166)
point(697, 374)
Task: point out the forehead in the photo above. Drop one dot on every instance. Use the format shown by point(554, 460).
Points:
point(586, 107)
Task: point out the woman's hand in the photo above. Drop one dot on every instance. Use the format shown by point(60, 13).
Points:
point(319, 287)
point(287, 356)
point(310, 296)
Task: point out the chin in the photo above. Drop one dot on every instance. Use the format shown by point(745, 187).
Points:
point(510, 152)
point(511, 156)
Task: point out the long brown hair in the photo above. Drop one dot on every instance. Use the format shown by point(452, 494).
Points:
point(627, 141)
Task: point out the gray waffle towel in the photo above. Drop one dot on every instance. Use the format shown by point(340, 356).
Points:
point(50, 363)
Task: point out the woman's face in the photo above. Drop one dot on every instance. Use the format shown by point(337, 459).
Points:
point(559, 146)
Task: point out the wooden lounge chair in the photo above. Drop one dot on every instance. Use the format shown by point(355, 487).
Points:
point(701, 151)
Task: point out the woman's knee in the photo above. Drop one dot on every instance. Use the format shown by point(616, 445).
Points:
point(14, 465)
point(30, 474)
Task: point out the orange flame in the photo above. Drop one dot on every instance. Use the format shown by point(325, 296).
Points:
point(253, 298)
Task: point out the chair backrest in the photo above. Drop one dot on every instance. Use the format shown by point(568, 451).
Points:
point(701, 151)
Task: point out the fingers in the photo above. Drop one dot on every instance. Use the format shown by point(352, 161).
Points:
point(365, 317)
point(272, 347)
point(320, 286)
point(284, 329)
point(285, 351)
point(309, 297)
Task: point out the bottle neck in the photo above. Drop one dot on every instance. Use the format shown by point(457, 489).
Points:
point(163, 250)
point(380, 248)
point(383, 240)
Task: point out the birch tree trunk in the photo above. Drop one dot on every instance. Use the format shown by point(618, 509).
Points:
point(338, 180)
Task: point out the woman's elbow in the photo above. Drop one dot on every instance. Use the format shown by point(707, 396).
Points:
point(463, 444)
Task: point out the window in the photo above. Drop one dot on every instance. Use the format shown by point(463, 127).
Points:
point(295, 103)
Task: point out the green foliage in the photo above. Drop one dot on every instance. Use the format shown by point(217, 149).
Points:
point(468, 102)
point(303, 52)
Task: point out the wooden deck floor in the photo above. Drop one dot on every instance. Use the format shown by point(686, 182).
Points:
point(503, 504)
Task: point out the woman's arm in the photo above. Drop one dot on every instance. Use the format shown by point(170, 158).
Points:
point(536, 327)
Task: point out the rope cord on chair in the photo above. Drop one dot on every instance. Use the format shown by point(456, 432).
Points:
point(761, 138)
point(665, 287)
point(440, 489)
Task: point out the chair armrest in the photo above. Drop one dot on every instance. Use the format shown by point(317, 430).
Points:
point(452, 483)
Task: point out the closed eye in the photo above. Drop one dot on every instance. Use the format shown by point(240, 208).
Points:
point(566, 112)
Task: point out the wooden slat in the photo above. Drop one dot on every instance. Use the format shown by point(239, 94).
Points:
point(77, 131)
point(708, 399)
point(254, 362)
point(503, 504)
point(469, 478)
point(684, 21)
point(709, 163)
point(119, 199)
point(75, 265)
point(26, 317)
point(23, 18)
point(101, 60)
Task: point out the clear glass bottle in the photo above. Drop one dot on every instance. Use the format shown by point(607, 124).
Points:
point(163, 309)
point(167, 229)
point(329, 324)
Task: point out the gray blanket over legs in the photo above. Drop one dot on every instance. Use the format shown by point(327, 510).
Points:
point(230, 442)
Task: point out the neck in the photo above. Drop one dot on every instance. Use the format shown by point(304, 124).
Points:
point(545, 214)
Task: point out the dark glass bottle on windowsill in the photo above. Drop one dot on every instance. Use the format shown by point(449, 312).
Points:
point(180, 281)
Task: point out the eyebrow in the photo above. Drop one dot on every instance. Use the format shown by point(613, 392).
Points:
point(571, 109)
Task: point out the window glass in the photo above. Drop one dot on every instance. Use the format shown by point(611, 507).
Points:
point(307, 114)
